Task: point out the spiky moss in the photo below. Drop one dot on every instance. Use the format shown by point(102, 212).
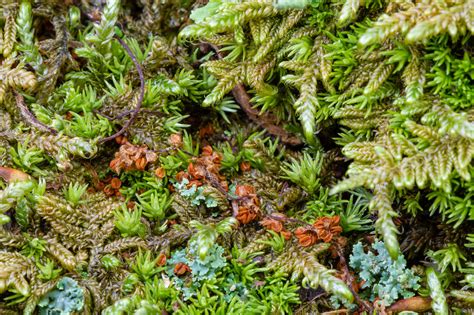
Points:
point(401, 105)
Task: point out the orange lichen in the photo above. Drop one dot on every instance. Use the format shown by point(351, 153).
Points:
point(327, 228)
point(181, 268)
point(286, 234)
point(248, 204)
point(272, 224)
point(161, 261)
point(205, 170)
point(275, 224)
point(196, 173)
point(131, 157)
point(205, 131)
point(244, 190)
point(246, 215)
point(160, 172)
point(109, 191)
point(306, 236)
point(245, 166)
point(176, 140)
point(115, 183)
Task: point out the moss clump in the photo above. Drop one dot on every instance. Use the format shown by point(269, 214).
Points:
point(225, 156)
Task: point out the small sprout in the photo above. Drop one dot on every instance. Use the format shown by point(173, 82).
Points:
point(11, 195)
point(145, 266)
point(129, 283)
point(129, 222)
point(155, 205)
point(34, 247)
point(110, 262)
point(291, 4)
point(276, 241)
point(439, 303)
point(304, 171)
point(450, 256)
point(74, 192)
point(206, 235)
point(47, 271)
point(27, 158)
point(74, 17)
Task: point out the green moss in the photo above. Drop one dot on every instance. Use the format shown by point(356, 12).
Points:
point(355, 109)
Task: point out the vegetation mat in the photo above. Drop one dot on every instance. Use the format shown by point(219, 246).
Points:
point(236, 157)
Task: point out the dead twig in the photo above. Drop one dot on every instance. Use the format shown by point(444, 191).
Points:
point(29, 117)
point(13, 175)
point(350, 280)
point(141, 94)
point(342, 311)
point(265, 120)
point(126, 113)
point(415, 304)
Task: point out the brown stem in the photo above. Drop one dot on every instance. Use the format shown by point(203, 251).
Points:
point(415, 304)
point(136, 110)
point(350, 279)
point(12, 175)
point(265, 120)
point(126, 113)
point(29, 117)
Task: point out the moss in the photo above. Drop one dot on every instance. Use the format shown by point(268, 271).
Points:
point(231, 132)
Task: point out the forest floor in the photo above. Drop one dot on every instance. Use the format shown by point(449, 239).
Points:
point(236, 157)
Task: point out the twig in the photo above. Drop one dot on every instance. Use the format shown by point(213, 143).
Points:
point(415, 304)
point(265, 120)
point(342, 311)
point(12, 175)
point(140, 96)
point(317, 296)
point(29, 117)
point(350, 279)
point(126, 113)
